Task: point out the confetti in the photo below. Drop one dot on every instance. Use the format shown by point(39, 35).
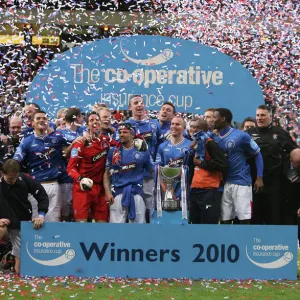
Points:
point(262, 35)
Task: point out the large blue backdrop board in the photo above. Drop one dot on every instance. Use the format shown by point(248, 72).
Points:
point(190, 75)
point(159, 251)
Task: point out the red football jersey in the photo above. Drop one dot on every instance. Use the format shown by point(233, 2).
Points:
point(88, 160)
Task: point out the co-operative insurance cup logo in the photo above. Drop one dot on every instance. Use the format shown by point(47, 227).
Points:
point(161, 58)
point(191, 76)
point(269, 255)
point(52, 249)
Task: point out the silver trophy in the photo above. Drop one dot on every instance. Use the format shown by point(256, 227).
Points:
point(170, 176)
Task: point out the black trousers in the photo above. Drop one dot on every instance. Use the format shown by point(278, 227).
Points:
point(267, 206)
point(290, 216)
point(205, 207)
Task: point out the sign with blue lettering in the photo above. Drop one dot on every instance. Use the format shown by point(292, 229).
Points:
point(192, 76)
point(159, 251)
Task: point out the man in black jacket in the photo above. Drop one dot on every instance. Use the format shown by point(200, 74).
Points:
point(15, 206)
point(275, 144)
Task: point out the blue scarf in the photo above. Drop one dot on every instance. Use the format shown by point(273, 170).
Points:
point(128, 192)
point(201, 138)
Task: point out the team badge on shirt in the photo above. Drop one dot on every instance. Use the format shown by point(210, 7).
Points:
point(230, 144)
point(74, 153)
point(275, 136)
point(153, 126)
point(137, 155)
point(104, 144)
point(184, 149)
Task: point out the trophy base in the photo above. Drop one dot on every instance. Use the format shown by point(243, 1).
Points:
point(171, 205)
point(170, 208)
point(168, 217)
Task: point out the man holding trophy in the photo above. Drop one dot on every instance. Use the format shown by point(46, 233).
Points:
point(171, 175)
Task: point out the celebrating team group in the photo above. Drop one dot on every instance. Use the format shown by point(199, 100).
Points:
point(109, 173)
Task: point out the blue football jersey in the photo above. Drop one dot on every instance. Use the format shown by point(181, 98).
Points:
point(150, 130)
point(128, 166)
point(43, 156)
point(237, 146)
point(172, 155)
point(70, 136)
point(165, 128)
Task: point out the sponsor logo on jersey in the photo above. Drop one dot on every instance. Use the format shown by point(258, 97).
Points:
point(128, 167)
point(176, 162)
point(275, 136)
point(99, 156)
point(47, 153)
point(147, 135)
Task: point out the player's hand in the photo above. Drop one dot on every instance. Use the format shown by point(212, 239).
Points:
point(50, 130)
point(86, 135)
point(140, 145)
point(4, 139)
point(197, 162)
point(298, 212)
point(4, 222)
point(110, 199)
point(258, 185)
point(112, 129)
point(86, 184)
point(216, 132)
point(38, 222)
